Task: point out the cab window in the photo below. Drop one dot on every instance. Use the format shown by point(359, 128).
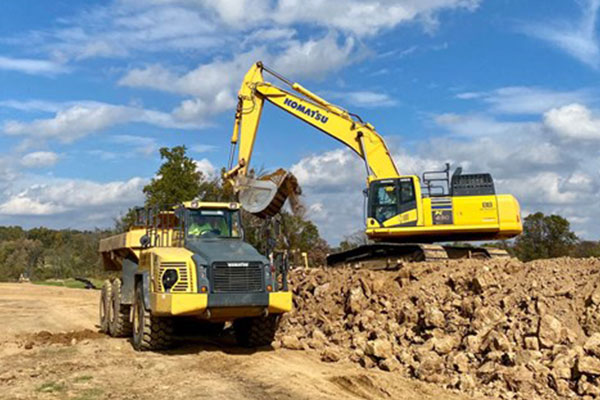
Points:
point(213, 223)
point(384, 201)
point(391, 197)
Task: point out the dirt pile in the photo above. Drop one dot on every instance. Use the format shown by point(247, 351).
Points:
point(500, 327)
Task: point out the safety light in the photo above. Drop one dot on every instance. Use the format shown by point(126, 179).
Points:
point(203, 289)
point(269, 288)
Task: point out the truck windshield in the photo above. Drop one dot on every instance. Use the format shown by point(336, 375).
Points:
point(214, 223)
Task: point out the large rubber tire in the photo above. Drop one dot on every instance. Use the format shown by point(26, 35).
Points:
point(149, 332)
point(256, 331)
point(105, 309)
point(120, 325)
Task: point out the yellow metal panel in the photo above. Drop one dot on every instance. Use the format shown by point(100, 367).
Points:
point(211, 204)
point(280, 302)
point(173, 255)
point(509, 213)
point(475, 210)
point(129, 240)
point(401, 219)
point(426, 207)
point(178, 304)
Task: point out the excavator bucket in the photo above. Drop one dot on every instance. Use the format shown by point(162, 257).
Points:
point(264, 197)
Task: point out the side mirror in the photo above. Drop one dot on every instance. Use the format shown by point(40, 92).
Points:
point(145, 241)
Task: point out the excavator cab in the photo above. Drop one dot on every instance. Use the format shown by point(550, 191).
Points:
point(393, 202)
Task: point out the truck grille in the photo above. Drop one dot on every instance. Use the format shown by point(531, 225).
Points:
point(237, 279)
point(183, 283)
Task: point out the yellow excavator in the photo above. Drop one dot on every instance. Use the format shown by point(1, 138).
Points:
point(405, 214)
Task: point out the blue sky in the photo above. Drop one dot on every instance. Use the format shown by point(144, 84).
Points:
point(90, 90)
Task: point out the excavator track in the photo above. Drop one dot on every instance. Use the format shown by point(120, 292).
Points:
point(389, 255)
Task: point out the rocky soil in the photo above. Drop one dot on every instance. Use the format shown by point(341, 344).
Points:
point(498, 328)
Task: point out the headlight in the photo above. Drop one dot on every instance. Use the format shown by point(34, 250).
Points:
point(169, 279)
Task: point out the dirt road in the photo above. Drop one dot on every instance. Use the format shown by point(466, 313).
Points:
point(50, 348)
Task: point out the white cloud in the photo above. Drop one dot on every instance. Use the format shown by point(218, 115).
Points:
point(77, 121)
point(39, 159)
point(198, 110)
point(364, 98)
point(22, 205)
point(578, 39)
point(207, 168)
point(124, 27)
point(479, 125)
point(31, 66)
point(78, 197)
point(526, 100)
point(32, 105)
point(360, 17)
point(213, 85)
point(573, 121)
point(203, 148)
point(138, 144)
point(314, 58)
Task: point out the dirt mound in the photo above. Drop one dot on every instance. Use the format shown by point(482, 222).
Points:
point(44, 338)
point(500, 327)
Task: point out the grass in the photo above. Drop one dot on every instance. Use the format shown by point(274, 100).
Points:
point(83, 378)
point(51, 387)
point(69, 283)
point(89, 394)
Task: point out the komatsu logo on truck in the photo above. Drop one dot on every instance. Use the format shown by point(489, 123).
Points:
point(306, 110)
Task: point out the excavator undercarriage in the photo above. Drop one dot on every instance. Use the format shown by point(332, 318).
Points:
point(387, 255)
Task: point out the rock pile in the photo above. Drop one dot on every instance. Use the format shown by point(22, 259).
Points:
point(496, 327)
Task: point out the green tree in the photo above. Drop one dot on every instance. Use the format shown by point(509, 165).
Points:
point(177, 179)
point(545, 236)
point(586, 248)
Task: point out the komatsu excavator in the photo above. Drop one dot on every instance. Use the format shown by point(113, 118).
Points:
point(405, 215)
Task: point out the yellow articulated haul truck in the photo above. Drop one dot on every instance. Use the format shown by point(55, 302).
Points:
point(190, 261)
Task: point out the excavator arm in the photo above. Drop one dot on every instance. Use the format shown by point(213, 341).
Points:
point(359, 136)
